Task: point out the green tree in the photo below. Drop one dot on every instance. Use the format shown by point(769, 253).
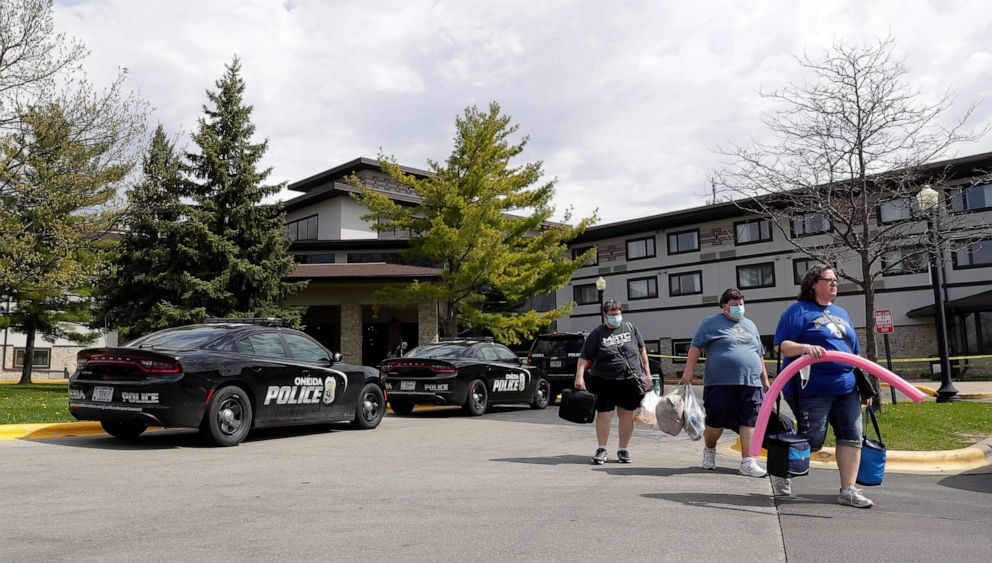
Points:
point(487, 224)
point(236, 245)
point(57, 197)
point(143, 289)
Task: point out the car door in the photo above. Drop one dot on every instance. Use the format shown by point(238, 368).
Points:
point(500, 387)
point(510, 363)
point(278, 394)
point(312, 364)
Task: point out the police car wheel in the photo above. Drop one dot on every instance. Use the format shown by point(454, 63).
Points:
point(125, 429)
point(542, 394)
point(401, 407)
point(477, 400)
point(370, 408)
point(228, 418)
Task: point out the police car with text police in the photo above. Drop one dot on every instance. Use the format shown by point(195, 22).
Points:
point(472, 373)
point(224, 377)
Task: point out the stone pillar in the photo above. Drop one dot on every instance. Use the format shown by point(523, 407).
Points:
point(427, 322)
point(351, 333)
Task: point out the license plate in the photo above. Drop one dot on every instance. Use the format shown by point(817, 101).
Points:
point(103, 394)
point(408, 385)
point(556, 363)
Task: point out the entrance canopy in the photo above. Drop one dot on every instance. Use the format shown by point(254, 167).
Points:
point(980, 302)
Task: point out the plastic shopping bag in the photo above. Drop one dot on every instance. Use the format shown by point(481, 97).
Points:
point(692, 414)
point(669, 412)
point(644, 415)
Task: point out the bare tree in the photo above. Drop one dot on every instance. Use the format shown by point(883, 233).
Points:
point(852, 147)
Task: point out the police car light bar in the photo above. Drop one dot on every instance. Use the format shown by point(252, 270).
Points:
point(463, 338)
point(271, 321)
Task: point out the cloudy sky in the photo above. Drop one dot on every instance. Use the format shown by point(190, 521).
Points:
point(624, 102)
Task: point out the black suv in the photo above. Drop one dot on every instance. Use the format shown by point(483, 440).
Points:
point(557, 355)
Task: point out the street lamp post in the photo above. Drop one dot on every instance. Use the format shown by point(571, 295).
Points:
point(600, 288)
point(929, 201)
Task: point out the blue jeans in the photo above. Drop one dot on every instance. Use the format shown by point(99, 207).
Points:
point(842, 412)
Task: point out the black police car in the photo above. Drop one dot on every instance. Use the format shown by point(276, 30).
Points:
point(557, 354)
point(225, 378)
point(472, 373)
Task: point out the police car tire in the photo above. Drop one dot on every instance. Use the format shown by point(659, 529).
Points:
point(124, 429)
point(541, 402)
point(369, 419)
point(212, 427)
point(401, 408)
point(476, 408)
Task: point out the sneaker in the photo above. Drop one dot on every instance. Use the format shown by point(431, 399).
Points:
point(600, 457)
point(751, 468)
point(852, 496)
point(782, 486)
point(709, 458)
point(623, 456)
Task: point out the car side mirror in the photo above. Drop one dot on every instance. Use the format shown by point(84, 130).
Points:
point(403, 345)
point(336, 357)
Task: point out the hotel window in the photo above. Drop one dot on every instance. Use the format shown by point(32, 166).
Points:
point(686, 241)
point(756, 275)
point(638, 249)
point(972, 198)
point(576, 252)
point(42, 358)
point(752, 232)
point(903, 261)
point(686, 283)
point(973, 254)
point(585, 294)
point(642, 288)
point(800, 266)
point(302, 229)
point(899, 209)
point(809, 224)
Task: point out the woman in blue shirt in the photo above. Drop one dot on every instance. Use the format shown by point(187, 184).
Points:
point(812, 325)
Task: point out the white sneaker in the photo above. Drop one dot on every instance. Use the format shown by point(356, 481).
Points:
point(709, 458)
point(782, 486)
point(852, 496)
point(751, 468)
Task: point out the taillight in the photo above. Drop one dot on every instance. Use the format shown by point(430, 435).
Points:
point(147, 365)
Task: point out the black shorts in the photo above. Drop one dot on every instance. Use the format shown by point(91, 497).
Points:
point(613, 393)
point(732, 406)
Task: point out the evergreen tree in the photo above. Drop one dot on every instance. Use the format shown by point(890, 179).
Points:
point(487, 223)
point(58, 194)
point(237, 244)
point(143, 290)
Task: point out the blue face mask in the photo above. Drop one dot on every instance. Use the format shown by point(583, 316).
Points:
point(737, 311)
point(614, 320)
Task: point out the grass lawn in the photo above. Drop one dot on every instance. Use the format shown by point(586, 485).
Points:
point(927, 426)
point(40, 402)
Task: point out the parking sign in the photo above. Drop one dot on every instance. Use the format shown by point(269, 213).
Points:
point(883, 321)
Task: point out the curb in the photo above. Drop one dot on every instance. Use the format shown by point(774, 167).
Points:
point(936, 461)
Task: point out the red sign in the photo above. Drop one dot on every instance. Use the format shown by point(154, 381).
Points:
point(883, 321)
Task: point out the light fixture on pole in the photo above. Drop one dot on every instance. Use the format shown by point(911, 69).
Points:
point(600, 288)
point(929, 202)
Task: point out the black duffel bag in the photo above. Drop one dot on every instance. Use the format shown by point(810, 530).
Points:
point(577, 406)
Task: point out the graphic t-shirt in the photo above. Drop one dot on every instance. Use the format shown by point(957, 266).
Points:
point(604, 347)
point(807, 322)
point(733, 351)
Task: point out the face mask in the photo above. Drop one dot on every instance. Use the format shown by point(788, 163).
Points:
point(614, 320)
point(737, 311)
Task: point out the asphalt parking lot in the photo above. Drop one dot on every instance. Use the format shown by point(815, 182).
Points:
point(514, 484)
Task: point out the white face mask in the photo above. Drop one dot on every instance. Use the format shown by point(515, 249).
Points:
point(736, 311)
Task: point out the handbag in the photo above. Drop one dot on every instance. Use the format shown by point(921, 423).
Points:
point(788, 450)
point(577, 405)
point(642, 382)
point(872, 467)
point(865, 388)
point(778, 423)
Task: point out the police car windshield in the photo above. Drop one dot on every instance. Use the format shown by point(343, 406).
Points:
point(184, 338)
point(558, 346)
point(439, 351)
